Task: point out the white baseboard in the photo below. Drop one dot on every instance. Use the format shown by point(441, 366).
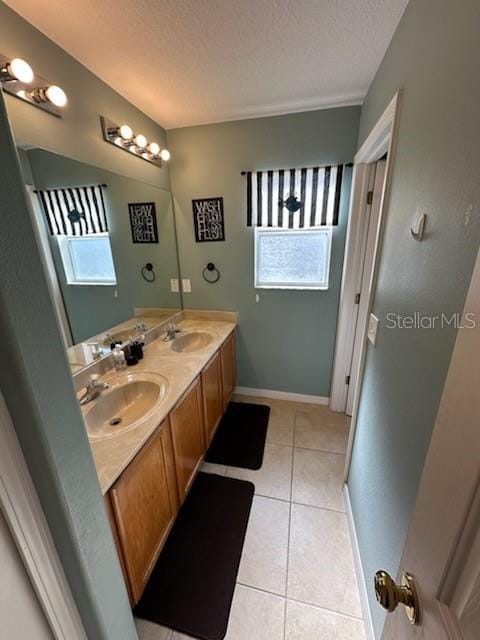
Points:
point(362, 586)
point(281, 395)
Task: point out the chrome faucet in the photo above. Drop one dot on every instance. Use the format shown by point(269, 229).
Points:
point(171, 333)
point(142, 327)
point(93, 389)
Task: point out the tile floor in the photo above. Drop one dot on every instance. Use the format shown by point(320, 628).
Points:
point(296, 579)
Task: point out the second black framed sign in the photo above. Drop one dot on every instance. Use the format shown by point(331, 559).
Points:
point(208, 219)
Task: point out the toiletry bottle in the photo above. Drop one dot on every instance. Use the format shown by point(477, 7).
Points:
point(119, 358)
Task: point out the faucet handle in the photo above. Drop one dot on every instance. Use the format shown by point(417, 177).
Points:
point(94, 377)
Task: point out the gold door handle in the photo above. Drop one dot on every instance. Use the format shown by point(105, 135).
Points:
point(389, 595)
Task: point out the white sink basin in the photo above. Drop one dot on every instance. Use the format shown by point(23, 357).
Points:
point(131, 399)
point(192, 341)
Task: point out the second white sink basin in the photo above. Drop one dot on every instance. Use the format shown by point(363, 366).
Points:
point(131, 399)
point(192, 341)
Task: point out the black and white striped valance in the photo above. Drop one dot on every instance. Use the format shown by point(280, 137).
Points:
point(294, 198)
point(74, 211)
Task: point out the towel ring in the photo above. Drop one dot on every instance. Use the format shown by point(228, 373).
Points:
point(211, 268)
point(148, 273)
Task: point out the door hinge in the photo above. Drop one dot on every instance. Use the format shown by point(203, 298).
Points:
point(347, 380)
point(357, 298)
point(370, 197)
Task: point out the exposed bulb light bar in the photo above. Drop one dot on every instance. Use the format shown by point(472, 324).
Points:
point(137, 144)
point(165, 155)
point(125, 132)
point(140, 141)
point(16, 78)
point(53, 94)
point(17, 70)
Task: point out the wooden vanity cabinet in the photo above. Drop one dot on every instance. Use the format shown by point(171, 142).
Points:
point(212, 397)
point(144, 503)
point(188, 437)
point(228, 359)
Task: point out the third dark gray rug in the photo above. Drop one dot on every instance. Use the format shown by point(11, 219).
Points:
point(191, 587)
point(240, 438)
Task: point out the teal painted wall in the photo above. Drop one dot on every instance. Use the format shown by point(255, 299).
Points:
point(286, 341)
point(37, 385)
point(77, 134)
point(50, 171)
point(433, 58)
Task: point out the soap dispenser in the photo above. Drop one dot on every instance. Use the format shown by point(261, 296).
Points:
point(119, 358)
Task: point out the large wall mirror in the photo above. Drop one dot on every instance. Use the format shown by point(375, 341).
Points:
point(88, 223)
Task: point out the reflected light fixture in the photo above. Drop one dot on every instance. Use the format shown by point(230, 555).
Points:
point(53, 94)
point(122, 136)
point(17, 70)
point(16, 78)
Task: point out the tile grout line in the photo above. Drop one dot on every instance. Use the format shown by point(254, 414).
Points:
point(289, 529)
point(307, 604)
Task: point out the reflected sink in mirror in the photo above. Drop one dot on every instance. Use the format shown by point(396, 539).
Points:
point(131, 399)
point(193, 341)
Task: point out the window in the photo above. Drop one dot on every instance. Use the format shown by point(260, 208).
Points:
point(293, 259)
point(88, 259)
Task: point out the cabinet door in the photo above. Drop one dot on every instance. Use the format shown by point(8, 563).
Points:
point(143, 511)
point(188, 437)
point(212, 397)
point(113, 525)
point(228, 358)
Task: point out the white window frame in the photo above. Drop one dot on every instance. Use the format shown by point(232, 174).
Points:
point(65, 252)
point(292, 285)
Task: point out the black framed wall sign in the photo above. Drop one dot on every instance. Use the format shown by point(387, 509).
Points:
point(143, 221)
point(208, 219)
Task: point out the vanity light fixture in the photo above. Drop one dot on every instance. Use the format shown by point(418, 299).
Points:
point(16, 70)
point(17, 77)
point(122, 136)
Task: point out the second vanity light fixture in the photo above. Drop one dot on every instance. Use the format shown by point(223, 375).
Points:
point(123, 137)
point(18, 79)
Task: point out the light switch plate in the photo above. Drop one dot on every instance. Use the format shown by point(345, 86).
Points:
point(186, 285)
point(174, 285)
point(373, 329)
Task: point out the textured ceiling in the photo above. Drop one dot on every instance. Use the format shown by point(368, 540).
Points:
point(195, 61)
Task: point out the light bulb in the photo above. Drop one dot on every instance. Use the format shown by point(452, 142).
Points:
point(165, 155)
point(56, 95)
point(154, 148)
point(20, 70)
point(126, 132)
point(140, 141)
point(119, 141)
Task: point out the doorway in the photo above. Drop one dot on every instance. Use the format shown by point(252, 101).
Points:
point(376, 181)
point(373, 164)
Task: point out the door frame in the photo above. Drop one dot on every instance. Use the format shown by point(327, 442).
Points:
point(381, 140)
point(27, 523)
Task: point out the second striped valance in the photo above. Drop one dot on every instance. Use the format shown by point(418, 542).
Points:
point(74, 211)
point(294, 198)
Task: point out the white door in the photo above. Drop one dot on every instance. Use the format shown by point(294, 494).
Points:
point(21, 615)
point(442, 549)
point(378, 182)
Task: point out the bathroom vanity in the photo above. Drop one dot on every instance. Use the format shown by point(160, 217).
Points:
point(147, 466)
